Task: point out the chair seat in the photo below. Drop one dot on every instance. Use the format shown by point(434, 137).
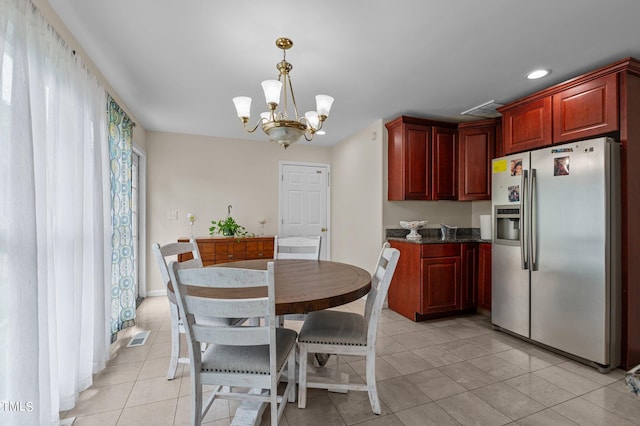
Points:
point(248, 359)
point(334, 327)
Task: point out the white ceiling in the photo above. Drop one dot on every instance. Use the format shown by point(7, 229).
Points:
point(177, 63)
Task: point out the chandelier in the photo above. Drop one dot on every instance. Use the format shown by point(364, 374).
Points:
point(279, 126)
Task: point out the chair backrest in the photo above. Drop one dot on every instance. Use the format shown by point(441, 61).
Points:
point(297, 247)
point(173, 249)
point(195, 307)
point(380, 282)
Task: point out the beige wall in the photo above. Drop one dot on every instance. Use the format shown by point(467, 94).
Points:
point(203, 175)
point(356, 197)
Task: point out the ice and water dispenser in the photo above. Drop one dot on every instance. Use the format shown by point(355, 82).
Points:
point(507, 225)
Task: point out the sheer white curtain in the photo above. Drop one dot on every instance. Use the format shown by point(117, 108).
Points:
point(54, 221)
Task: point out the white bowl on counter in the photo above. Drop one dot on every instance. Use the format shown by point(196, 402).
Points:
point(413, 227)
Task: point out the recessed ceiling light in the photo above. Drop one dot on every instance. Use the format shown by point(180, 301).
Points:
point(536, 74)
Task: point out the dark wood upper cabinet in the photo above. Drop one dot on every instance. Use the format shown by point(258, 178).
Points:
point(409, 160)
point(589, 109)
point(527, 126)
point(445, 169)
point(578, 109)
point(421, 159)
point(417, 162)
point(476, 145)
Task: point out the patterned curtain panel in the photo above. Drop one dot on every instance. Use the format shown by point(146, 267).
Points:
point(123, 304)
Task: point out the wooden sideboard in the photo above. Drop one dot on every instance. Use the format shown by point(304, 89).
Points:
point(215, 250)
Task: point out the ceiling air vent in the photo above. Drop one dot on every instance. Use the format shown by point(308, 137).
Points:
point(487, 109)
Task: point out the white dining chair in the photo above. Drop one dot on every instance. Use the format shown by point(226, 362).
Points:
point(177, 327)
point(297, 247)
point(348, 333)
point(304, 248)
point(237, 356)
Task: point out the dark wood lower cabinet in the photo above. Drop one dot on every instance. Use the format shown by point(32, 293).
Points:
point(433, 280)
point(469, 284)
point(440, 285)
point(484, 276)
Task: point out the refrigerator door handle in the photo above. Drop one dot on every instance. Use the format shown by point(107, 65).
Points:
point(533, 219)
point(524, 258)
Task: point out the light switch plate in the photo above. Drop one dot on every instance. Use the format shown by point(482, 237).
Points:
point(172, 215)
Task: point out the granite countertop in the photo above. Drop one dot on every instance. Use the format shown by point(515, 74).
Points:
point(433, 236)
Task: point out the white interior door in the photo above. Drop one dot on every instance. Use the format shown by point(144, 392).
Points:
point(304, 202)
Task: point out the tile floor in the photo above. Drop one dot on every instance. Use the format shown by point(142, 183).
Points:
point(443, 372)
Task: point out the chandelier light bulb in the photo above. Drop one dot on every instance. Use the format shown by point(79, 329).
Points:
point(312, 119)
point(243, 106)
point(323, 104)
point(272, 90)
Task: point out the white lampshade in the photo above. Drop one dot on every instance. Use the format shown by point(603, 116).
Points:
point(272, 91)
point(312, 119)
point(243, 106)
point(323, 104)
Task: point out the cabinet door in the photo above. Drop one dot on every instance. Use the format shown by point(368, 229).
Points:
point(417, 157)
point(229, 250)
point(469, 282)
point(445, 170)
point(498, 145)
point(484, 277)
point(440, 284)
point(207, 252)
point(409, 161)
point(527, 126)
point(475, 151)
point(405, 290)
point(261, 248)
point(590, 109)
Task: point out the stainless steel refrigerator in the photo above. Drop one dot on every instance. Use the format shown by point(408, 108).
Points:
point(556, 248)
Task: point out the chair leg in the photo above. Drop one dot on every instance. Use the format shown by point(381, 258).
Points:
point(196, 400)
point(175, 342)
point(292, 375)
point(302, 380)
point(372, 387)
point(274, 407)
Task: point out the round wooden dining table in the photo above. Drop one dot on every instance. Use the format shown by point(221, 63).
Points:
point(301, 286)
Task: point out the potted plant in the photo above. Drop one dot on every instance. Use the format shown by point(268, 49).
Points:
point(227, 227)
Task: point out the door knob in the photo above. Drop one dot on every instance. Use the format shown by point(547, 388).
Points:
point(323, 229)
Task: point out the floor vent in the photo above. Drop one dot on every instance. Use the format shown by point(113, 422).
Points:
point(139, 339)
